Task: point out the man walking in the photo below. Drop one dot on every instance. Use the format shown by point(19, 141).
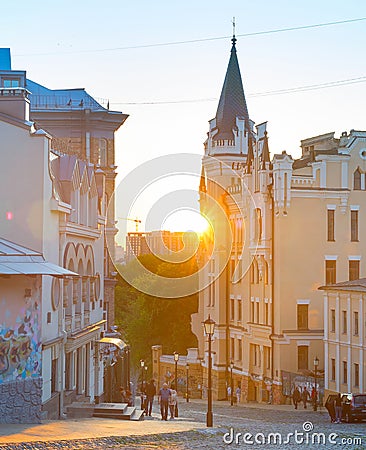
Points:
point(163, 398)
point(296, 396)
point(150, 393)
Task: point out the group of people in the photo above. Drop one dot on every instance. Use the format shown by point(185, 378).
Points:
point(335, 408)
point(305, 396)
point(167, 399)
point(237, 393)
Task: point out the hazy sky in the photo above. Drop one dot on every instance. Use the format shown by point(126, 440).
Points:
point(66, 44)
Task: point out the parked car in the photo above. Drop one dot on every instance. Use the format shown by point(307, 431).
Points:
point(353, 407)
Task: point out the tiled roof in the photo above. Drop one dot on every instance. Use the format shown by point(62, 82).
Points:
point(42, 98)
point(232, 100)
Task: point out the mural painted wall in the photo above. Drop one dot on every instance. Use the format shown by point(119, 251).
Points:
point(20, 328)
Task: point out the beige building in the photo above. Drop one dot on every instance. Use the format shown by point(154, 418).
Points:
point(344, 336)
point(282, 228)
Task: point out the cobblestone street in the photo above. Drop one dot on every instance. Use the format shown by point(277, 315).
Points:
point(310, 430)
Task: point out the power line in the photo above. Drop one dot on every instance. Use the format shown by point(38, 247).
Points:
point(309, 87)
point(191, 41)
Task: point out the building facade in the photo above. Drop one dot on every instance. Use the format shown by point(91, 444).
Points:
point(282, 228)
point(344, 336)
point(79, 126)
point(54, 204)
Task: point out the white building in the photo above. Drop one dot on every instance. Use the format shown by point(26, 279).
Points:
point(54, 205)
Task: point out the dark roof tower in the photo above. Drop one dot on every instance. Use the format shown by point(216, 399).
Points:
point(232, 100)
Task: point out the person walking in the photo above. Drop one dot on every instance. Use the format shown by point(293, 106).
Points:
point(150, 393)
point(173, 403)
point(296, 396)
point(338, 408)
point(314, 398)
point(305, 396)
point(238, 394)
point(163, 399)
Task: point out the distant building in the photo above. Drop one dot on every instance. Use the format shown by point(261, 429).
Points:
point(283, 227)
point(344, 336)
point(160, 242)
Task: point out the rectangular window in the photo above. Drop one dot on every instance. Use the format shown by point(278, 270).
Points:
point(303, 357)
point(331, 224)
point(232, 309)
point(53, 375)
point(266, 312)
point(344, 322)
point(330, 271)
point(302, 317)
point(239, 311)
point(232, 349)
point(332, 320)
point(240, 350)
point(354, 226)
point(333, 369)
point(344, 372)
point(257, 311)
point(11, 83)
point(353, 270)
point(355, 323)
point(252, 312)
point(357, 375)
point(232, 269)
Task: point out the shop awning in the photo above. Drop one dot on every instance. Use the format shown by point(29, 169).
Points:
point(18, 260)
point(115, 341)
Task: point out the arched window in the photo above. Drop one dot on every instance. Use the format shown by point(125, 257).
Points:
point(258, 225)
point(357, 180)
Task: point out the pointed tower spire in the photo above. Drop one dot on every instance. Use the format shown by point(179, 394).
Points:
point(232, 100)
point(265, 151)
point(250, 156)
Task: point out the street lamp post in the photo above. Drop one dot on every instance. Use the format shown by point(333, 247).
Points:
point(142, 363)
point(316, 364)
point(187, 369)
point(176, 359)
point(231, 383)
point(209, 325)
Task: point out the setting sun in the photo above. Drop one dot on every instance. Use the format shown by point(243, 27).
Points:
point(186, 220)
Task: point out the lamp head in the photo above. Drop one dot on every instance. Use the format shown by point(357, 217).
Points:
point(209, 325)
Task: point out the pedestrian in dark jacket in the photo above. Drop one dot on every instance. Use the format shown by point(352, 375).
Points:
point(305, 396)
point(150, 393)
point(329, 406)
point(296, 397)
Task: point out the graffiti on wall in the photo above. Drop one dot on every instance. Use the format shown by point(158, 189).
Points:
point(20, 347)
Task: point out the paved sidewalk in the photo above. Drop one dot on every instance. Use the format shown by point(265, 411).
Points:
point(70, 429)
point(58, 430)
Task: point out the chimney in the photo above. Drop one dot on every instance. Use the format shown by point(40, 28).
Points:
point(5, 59)
point(15, 102)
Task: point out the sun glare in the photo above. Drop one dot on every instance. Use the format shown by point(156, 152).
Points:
point(186, 220)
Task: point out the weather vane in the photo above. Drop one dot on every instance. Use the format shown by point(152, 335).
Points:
point(233, 40)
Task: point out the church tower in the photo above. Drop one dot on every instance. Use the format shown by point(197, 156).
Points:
point(235, 197)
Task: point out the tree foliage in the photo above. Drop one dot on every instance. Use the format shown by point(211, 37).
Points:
point(146, 320)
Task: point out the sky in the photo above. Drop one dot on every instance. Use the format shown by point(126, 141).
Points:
point(171, 91)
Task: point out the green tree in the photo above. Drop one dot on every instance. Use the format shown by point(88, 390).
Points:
point(147, 320)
